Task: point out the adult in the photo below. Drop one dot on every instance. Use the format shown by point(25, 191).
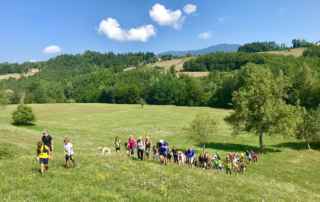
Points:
point(48, 141)
point(163, 151)
point(43, 153)
point(131, 145)
point(190, 154)
point(140, 148)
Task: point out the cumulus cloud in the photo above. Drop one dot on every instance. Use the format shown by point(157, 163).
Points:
point(53, 49)
point(112, 29)
point(204, 35)
point(190, 8)
point(166, 17)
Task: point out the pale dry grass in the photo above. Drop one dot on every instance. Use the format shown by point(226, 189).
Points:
point(296, 52)
point(17, 76)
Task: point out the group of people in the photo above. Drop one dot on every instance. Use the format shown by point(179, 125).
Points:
point(141, 148)
point(45, 152)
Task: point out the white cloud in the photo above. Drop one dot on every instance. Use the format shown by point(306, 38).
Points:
point(190, 8)
point(112, 29)
point(166, 17)
point(53, 49)
point(204, 35)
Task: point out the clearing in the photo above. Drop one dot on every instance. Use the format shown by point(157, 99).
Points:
point(287, 172)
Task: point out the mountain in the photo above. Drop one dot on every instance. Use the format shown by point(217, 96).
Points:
point(211, 49)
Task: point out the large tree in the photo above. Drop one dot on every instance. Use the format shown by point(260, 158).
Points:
point(259, 105)
point(309, 127)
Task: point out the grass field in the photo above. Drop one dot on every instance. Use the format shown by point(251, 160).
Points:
point(296, 52)
point(287, 172)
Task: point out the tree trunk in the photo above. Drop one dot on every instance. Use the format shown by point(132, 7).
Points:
point(308, 146)
point(261, 140)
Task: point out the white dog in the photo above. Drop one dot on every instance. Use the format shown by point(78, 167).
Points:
point(104, 151)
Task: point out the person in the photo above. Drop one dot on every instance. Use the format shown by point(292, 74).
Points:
point(117, 144)
point(147, 143)
point(228, 166)
point(68, 150)
point(48, 141)
point(43, 154)
point(175, 155)
point(131, 145)
point(163, 152)
point(190, 153)
point(140, 148)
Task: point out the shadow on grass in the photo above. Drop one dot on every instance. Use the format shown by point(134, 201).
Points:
point(231, 147)
point(298, 145)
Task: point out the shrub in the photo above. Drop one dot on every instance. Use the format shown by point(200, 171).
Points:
point(202, 127)
point(23, 115)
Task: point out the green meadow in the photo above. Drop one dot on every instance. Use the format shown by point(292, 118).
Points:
point(286, 172)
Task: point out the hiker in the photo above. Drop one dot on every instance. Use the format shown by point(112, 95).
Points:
point(147, 143)
point(131, 145)
point(163, 152)
point(43, 154)
point(140, 148)
point(68, 150)
point(117, 144)
point(175, 155)
point(190, 154)
point(228, 166)
point(204, 160)
point(48, 141)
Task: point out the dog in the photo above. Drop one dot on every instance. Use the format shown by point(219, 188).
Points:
point(104, 151)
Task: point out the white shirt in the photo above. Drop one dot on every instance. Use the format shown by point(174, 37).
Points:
point(68, 149)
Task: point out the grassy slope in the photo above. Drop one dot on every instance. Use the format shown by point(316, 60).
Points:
point(283, 174)
point(296, 52)
point(17, 76)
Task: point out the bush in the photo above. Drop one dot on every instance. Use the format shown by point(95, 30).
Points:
point(23, 115)
point(202, 127)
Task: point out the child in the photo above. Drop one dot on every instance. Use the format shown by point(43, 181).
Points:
point(68, 150)
point(228, 166)
point(43, 153)
point(117, 143)
point(147, 143)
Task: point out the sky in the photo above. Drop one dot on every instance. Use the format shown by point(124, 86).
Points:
point(36, 30)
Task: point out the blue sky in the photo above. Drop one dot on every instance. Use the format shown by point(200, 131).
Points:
point(40, 29)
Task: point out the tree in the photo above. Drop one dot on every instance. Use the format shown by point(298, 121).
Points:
point(3, 98)
point(202, 127)
point(259, 104)
point(309, 128)
point(23, 115)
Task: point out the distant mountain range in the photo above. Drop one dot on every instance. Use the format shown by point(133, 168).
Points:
point(211, 49)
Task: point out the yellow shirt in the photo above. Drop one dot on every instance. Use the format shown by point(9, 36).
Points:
point(44, 152)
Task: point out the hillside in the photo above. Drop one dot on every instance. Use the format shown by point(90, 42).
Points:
point(17, 76)
point(286, 173)
point(296, 52)
point(210, 49)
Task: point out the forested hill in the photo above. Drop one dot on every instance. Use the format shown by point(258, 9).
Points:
point(96, 77)
point(82, 62)
point(210, 49)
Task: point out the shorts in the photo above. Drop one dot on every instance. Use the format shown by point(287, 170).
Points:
point(44, 161)
point(117, 148)
point(69, 157)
